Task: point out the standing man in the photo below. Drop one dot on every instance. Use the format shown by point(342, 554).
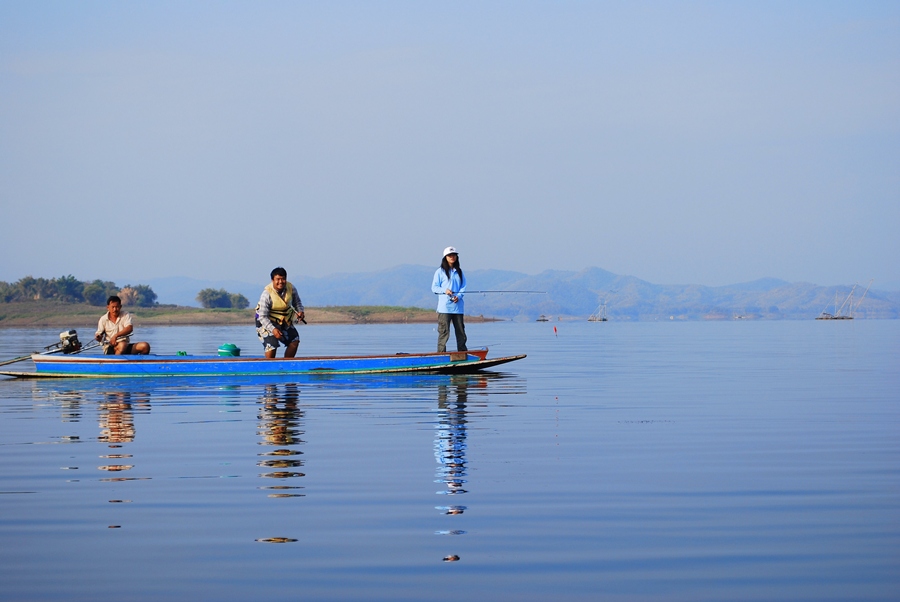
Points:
point(116, 328)
point(278, 310)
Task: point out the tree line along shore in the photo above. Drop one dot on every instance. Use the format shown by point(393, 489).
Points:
point(50, 313)
point(68, 289)
point(67, 302)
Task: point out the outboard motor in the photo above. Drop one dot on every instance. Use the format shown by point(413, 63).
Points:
point(68, 342)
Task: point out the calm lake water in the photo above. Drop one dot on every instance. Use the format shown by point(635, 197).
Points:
point(619, 461)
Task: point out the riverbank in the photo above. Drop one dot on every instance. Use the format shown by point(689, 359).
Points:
point(83, 316)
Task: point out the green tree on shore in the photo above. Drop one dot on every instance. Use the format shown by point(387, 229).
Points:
point(35, 289)
point(138, 294)
point(68, 289)
point(211, 298)
point(98, 291)
point(239, 301)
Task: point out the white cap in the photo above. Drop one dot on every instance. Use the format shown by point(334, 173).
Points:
point(450, 250)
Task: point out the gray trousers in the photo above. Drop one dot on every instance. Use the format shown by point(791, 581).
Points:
point(444, 331)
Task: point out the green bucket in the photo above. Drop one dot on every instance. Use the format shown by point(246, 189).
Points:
point(229, 350)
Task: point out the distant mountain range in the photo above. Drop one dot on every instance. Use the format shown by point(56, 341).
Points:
point(562, 295)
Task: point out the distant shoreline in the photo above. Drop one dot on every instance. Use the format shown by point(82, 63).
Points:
point(46, 314)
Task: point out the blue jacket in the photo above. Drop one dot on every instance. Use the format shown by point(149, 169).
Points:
point(456, 284)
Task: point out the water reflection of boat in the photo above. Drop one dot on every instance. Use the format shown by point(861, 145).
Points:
point(281, 411)
point(185, 389)
point(143, 366)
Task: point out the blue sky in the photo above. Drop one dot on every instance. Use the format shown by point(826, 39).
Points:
point(679, 142)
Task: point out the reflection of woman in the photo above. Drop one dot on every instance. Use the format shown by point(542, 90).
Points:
point(450, 444)
point(450, 284)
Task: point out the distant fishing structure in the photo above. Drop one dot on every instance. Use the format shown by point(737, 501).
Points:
point(848, 303)
point(600, 314)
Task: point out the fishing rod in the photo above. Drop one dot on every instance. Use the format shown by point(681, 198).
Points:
point(520, 292)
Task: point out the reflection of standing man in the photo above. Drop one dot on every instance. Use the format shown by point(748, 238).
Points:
point(280, 417)
point(280, 424)
point(278, 310)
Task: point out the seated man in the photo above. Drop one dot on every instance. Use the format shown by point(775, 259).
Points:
point(278, 310)
point(116, 327)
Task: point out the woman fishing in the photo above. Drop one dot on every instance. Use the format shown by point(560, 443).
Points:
point(450, 284)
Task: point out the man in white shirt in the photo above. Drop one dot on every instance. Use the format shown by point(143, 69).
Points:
point(116, 328)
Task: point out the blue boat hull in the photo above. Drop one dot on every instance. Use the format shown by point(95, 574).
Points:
point(139, 366)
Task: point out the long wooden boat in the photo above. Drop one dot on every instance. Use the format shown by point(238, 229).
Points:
point(140, 366)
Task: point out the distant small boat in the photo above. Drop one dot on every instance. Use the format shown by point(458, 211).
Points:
point(848, 303)
point(542, 318)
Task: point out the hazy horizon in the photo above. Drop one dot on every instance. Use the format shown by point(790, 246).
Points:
point(263, 279)
point(689, 142)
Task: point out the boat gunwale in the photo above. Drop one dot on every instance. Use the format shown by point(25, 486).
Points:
point(71, 359)
point(441, 368)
